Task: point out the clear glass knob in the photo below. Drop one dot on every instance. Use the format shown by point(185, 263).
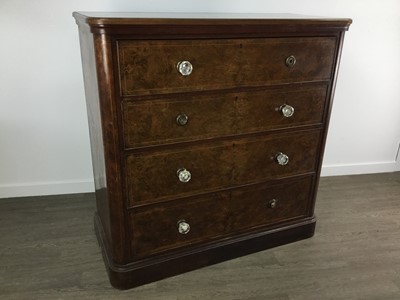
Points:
point(286, 110)
point(290, 61)
point(183, 175)
point(183, 227)
point(182, 119)
point(282, 158)
point(272, 203)
point(185, 67)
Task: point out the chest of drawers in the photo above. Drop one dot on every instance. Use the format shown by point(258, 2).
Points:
point(207, 134)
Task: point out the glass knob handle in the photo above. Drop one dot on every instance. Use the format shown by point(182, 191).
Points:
point(286, 110)
point(182, 119)
point(184, 67)
point(290, 61)
point(183, 175)
point(282, 158)
point(183, 227)
point(273, 203)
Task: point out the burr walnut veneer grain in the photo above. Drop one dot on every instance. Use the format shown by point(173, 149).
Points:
point(207, 134)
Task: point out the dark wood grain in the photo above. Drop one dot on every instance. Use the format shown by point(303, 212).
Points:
point(95, 128)
point(153, 122)
point(229, 145)
point(228, 213)
point(152, 176)
point(149, 67)
point(104, 137)
point(150, 25)
point(163, 266)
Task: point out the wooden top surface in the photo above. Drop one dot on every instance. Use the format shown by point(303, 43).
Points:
point(105, 19)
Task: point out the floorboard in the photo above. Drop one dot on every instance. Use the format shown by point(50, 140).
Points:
point(48, 250)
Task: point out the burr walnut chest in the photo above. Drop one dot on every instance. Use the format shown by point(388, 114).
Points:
point(207, 134)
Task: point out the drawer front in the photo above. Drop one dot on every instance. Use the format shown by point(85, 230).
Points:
point(150, 67)
point(157, 122)
point(170, 226)
point(153, 176)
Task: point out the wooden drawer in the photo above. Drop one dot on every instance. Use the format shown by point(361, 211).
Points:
point(152, 176)
point(222, 214)
point(150, 67)
point(155, 122)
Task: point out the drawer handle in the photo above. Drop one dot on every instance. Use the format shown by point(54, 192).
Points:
point(183, 227)
point(182, 119)
point(286, 110)
point(290, 61)
point(184, 67)
point(183, 175)
point(282, 158)
point(273, 203)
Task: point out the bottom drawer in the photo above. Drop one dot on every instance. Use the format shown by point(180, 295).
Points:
point(176, 224)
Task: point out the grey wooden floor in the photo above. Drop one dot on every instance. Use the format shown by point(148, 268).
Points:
point(48, 251)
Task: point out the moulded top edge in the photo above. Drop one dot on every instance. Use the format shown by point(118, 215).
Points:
point(105, 19)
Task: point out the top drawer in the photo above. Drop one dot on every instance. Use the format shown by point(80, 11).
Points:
point(151, 67)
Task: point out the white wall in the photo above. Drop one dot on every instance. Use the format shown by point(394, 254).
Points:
point(43, 126)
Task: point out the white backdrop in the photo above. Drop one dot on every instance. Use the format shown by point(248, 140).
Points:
point(43, 125)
